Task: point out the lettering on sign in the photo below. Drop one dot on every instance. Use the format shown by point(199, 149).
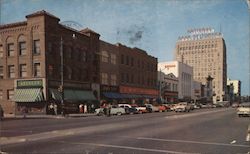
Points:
point(29, 83)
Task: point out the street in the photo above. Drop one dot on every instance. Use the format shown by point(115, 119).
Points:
point(210, 131)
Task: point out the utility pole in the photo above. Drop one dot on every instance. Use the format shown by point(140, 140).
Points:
point(62, 74)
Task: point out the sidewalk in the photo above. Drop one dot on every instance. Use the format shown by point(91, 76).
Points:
point(42, 116)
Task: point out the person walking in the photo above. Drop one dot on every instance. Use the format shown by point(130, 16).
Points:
point(24, 111)
point(55, 108)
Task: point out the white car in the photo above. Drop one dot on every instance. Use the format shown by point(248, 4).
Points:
point(115, 110)
point(182, 107)
point(244, 109)
point(152, 108)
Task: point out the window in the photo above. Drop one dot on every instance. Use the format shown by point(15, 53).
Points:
point(37, 47)
point(113, 59)
point(37, 70)
point(23, 70)
point(1, 94)
point(113, 80)
point(1, 51)
point(22, 48)
point(122, 59)
point(105, 57)
point(127, 60)
point(10, 47)
point(1, 72)
point(10, 94)
point(11, 71)
point(84, 56)
point(104, 78)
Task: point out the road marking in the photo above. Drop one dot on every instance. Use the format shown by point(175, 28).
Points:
point(194, 142)
point(126, 147)
point(192, 114)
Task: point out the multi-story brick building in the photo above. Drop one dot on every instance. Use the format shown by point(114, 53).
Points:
point(127, 73)
point(30, 62)
point(205, 51)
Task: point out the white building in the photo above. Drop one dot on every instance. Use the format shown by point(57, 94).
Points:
point(236, 88)
point(184, 73)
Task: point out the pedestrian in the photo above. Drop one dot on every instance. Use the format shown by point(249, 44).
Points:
point(109, 109)
point(81, 108)
point(24, 111)
point(55, 108)
point(85, 108)
point(51, 108)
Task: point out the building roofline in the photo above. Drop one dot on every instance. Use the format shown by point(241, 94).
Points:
point(40, 13)
point(13, 24)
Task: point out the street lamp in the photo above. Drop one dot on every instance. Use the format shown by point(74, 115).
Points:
point(62, 73)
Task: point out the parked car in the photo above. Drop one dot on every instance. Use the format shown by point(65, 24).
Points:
point(152, 108)
point(235, 105)
point(244, 109)
point(167, 106)
point(182, 107)
point(141, 109)
point(1, 113)
point(114, 110)
point(128, 108)
point(162, 108)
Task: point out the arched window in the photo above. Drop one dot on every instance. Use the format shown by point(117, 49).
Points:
point(10, 47)
point(22, 45)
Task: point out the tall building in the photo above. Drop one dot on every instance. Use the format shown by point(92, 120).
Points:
point(205, 50)
point(184, 74)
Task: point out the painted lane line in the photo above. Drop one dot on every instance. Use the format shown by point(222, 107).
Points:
point(194, 142)
point(126, 147)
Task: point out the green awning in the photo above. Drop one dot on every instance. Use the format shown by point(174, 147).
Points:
point(28, 95)
point(73, 95)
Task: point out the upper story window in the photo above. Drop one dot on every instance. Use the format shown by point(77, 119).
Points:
point(37, 49)
point(37, 70)
point(113, 81)
point(113, 58)
point(84, 56)
point(1, 51)
point(23, 70)
point(11, 71)
point(22, 48)
point(122, 59)
point(104, 78)
point(127, 60)
point(10, 48)
point(1, 72)
point(105, 57)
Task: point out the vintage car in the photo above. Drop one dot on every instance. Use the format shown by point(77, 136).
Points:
point(244, 109)
point(114, 110)
point(182, 107)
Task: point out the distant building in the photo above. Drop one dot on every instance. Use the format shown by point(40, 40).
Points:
point(205, 51)
point(236, 88)
point(184, 73)
point(168, 87)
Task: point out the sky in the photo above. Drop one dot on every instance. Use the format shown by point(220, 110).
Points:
point(152, 25)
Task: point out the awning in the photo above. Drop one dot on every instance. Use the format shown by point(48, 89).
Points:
point(73, 95)
point(28, 95)
point(112, 95)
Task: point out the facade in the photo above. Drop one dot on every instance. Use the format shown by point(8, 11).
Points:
point(205, 51)
point(184, 73)
point(168, 87)
point(30, 65)
point(236, 88)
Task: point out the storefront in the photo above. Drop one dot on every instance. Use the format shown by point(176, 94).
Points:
point(75, 95)
point(29, 96)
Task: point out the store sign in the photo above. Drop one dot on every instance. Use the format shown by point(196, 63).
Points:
point(29, 83)
point(105, 88)
point(133, 90)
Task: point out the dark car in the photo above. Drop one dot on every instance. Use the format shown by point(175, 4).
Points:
point(1, 113)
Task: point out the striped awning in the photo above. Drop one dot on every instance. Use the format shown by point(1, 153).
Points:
point(28, 95)
point(55, 94)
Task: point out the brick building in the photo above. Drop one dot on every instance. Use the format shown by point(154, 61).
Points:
point(30, 63)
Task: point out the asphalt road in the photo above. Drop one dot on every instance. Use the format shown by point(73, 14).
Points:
point(215, 131)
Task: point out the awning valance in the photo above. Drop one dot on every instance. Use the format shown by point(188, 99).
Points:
point(73, 95)
point(112, 95)
point(28, 95)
